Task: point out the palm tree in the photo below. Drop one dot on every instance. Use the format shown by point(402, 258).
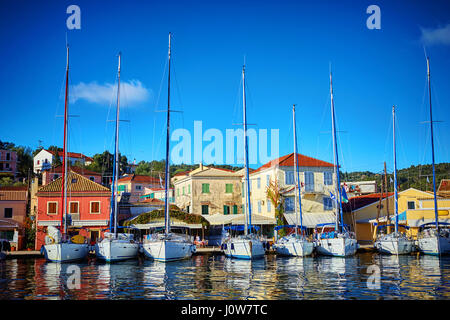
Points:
point(273, 192)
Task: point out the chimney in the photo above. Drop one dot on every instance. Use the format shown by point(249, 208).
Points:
point(201, 166)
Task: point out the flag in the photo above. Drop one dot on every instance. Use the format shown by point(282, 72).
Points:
point(332, 196)
point(344, 195)
point(160, 181)
point(428, 180)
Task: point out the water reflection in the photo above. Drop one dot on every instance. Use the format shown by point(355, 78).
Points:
point(217, 277)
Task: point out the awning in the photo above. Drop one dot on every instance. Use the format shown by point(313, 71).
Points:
point(238, 219)
point(311, 219)
point(160, 224)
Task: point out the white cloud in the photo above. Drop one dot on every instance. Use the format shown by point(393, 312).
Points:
point(440, 35)
point(131, 93)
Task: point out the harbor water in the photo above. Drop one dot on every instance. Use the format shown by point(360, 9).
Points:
point(217, 277)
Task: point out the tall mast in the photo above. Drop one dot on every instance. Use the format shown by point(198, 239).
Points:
point(64, 177)
point(395, 175)
point(432, 148)
point(297, 178)
point(336, 160)
point(167, 177)
point(248, 204)
point(386, 190)
point(116, 159)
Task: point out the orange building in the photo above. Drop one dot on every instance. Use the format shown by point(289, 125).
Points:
point(88, 207)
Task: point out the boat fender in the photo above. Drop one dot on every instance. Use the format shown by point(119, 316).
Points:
point(193, 248)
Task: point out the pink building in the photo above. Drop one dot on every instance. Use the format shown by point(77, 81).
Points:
point(8, 162)
point(13, 210)
point(88, 204)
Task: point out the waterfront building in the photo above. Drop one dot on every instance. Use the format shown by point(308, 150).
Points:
point(317, 183)
point(208, 191)
point(415, 207)
point(44, 159)
point(56, 172)
point(159, 194)
point(13, 210)
point(8, 163)
point(359, 188)
point(88, 207)
point(132, 187)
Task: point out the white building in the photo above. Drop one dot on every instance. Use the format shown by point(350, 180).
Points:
point(317, 180)
point(44, 159)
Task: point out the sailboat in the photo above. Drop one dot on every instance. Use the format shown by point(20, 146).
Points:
point(116, 246)
point(434, 241)
point(58, 246)
point(341, 242)
point(247, 246)
point(295, 244)
point(396, 242)
point(168, 246)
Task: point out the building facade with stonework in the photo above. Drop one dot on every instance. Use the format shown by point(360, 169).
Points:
point(88, 205)
point(8, 163)
point(208, 191)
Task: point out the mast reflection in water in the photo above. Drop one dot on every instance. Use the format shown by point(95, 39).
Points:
point(215, 277)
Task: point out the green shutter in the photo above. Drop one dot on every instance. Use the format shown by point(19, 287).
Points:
point(235, 209)
point(205, 187)
point(189, 189)
point(229, 188)
point(226, 210)
point(204, 209)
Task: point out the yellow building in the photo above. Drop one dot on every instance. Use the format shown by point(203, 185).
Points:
point(415, 207)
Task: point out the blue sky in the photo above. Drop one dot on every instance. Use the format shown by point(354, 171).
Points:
point(288, 46)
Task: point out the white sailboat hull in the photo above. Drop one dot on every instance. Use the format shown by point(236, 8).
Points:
point(294, 247)
point(112, 250)
point(65, 252)
point(395, 246)
point(166, 250)
point(337, 247)
point(244, 249)
point(434, 245)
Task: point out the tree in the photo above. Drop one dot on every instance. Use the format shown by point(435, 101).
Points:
point(55, 149)
point(273, 192)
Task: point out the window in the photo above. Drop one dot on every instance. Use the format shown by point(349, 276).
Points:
point(95, 206)
point(289, 177)
point(327, 203)
point(258, 182)
point(6, 165)
point(38, 162)
point(8, 212)
point(289, 204)
point(327, 178)
point(226, 209)
point(55, 176)
point(8, 156)
point(92, 178)
point(189, 189)
point(309, 181)
point(205, 187)
point(74, 180)
point(229, 188)
point(73, 207)
point(259, 206)
point(411, 205)
point(178, 192)
point(243, 190)
point(268, 180)
point(269, 205)
point(235, 209)
point(205, 209)
point(138, 187)
point(187, 209)
point(183, 190)
point(52, 207)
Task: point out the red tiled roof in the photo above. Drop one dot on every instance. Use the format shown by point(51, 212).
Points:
point(153, 201)
point(444, 186)
point(72, 155)
point(288, 161)
point(184, 173)
point(358, 202)
point(140, 179)
point(75, 183)
point(13, 188)
point(75, 169)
